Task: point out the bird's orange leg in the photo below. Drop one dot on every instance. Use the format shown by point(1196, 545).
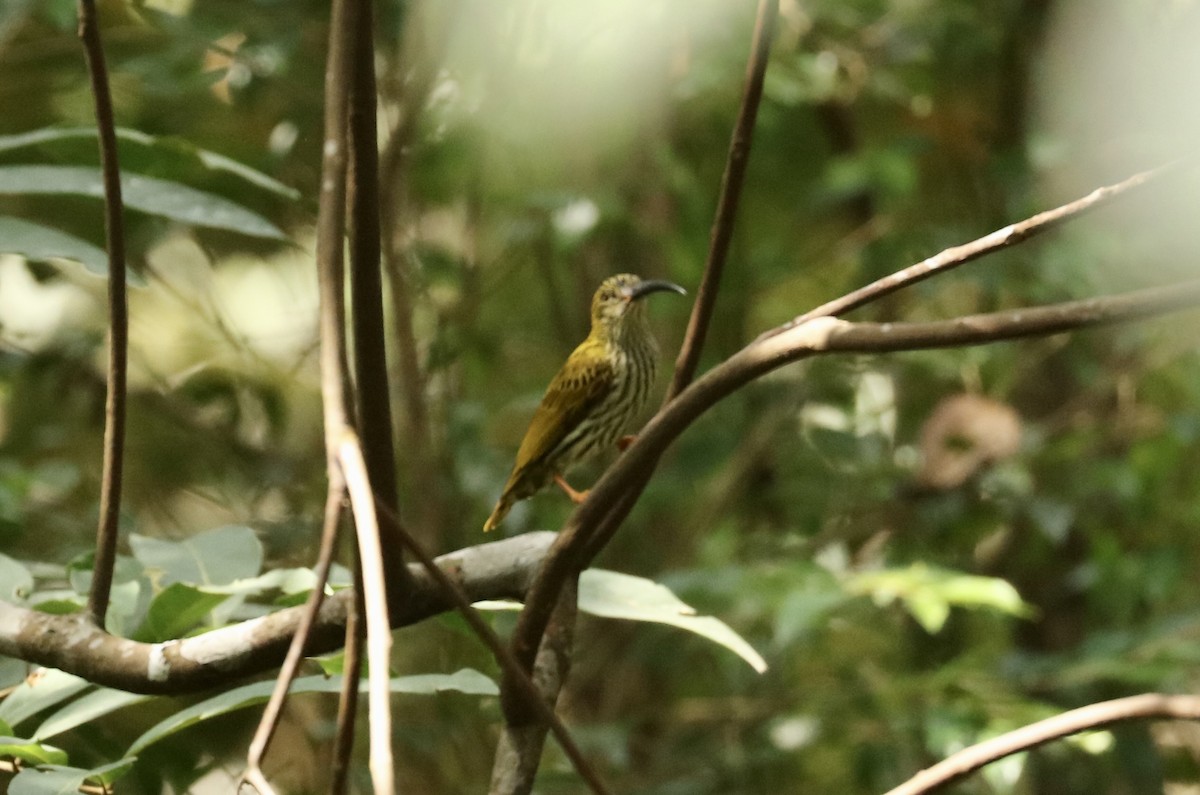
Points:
point(626, 440)
point(576, 496)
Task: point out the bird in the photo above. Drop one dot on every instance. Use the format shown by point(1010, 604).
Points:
point(589, 404)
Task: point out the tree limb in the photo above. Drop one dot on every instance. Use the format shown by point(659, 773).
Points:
point(962, 763)
point(497, 570)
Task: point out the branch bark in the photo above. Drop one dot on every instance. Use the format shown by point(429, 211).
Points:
point(729, 197)
point(957, 766)
point(118, 319)
point(497, 570)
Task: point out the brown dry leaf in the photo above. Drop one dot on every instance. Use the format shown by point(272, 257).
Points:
point(964, 433)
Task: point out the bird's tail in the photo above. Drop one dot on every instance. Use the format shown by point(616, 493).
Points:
point(498, 513)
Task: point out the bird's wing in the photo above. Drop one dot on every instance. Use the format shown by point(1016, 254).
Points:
point(573, 394)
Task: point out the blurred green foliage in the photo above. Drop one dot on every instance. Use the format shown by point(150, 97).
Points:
point(533, 148)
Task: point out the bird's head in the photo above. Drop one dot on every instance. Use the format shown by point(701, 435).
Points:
point(619, 296)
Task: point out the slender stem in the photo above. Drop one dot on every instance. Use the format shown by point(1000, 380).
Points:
point(1148, 706)
point(529, 699)
point(366, 295)
point(118, 320)
point(730, 195)
point(343, 744)
point(341, 444)
point(291, 664)
point(374, 589)
point(951, 258)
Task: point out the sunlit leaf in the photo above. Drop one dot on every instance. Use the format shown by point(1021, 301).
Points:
point(928, 593)
point(614, 595)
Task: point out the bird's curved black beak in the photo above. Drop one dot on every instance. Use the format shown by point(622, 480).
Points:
point(644, 288)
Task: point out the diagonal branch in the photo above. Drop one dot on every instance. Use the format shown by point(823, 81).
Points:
point(951, 258)
point(580, 536)
point(727, 203)
point(1148, 706)
point(118, 320)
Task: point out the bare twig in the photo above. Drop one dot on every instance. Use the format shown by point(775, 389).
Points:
point(374, 589)
point(291, 664)
point(527, 698)
point(951, 258)
point(342, 448)
point(343, 741)
point(1148, 706)
point(727, 203)
point(118, 320)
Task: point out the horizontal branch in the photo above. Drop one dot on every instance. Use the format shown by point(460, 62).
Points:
point(497, 570)
point(956, 766)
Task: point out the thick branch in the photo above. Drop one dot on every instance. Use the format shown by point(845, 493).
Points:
point(957, 766)
point(499, 570)
point(118, 320)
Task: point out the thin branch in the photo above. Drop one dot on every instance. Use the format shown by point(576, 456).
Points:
point(951, 258)
point(1148, 706)
point(366, 293)
point(519, 751)
point(342, 449)
point(528, 698)
point(118, 320)
point(295, 655)
point(71, 643)
point(623, 481)
point(374, 591)
point(356, 636)
point(730, 195)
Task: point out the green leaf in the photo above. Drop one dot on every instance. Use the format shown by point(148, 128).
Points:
point(37, 242)
point(176, 611)
point(928, 593)
point(32, 751)
point(614, 595)
point(465, 680)
point(214, 557)
point(58, 780)
point(16, 582)
point(147, 194)
point(87, 708)
point(171, 146)
point(47, 781)
point(48, 688)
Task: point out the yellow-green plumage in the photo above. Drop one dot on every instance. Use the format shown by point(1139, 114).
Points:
point(599, 390)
